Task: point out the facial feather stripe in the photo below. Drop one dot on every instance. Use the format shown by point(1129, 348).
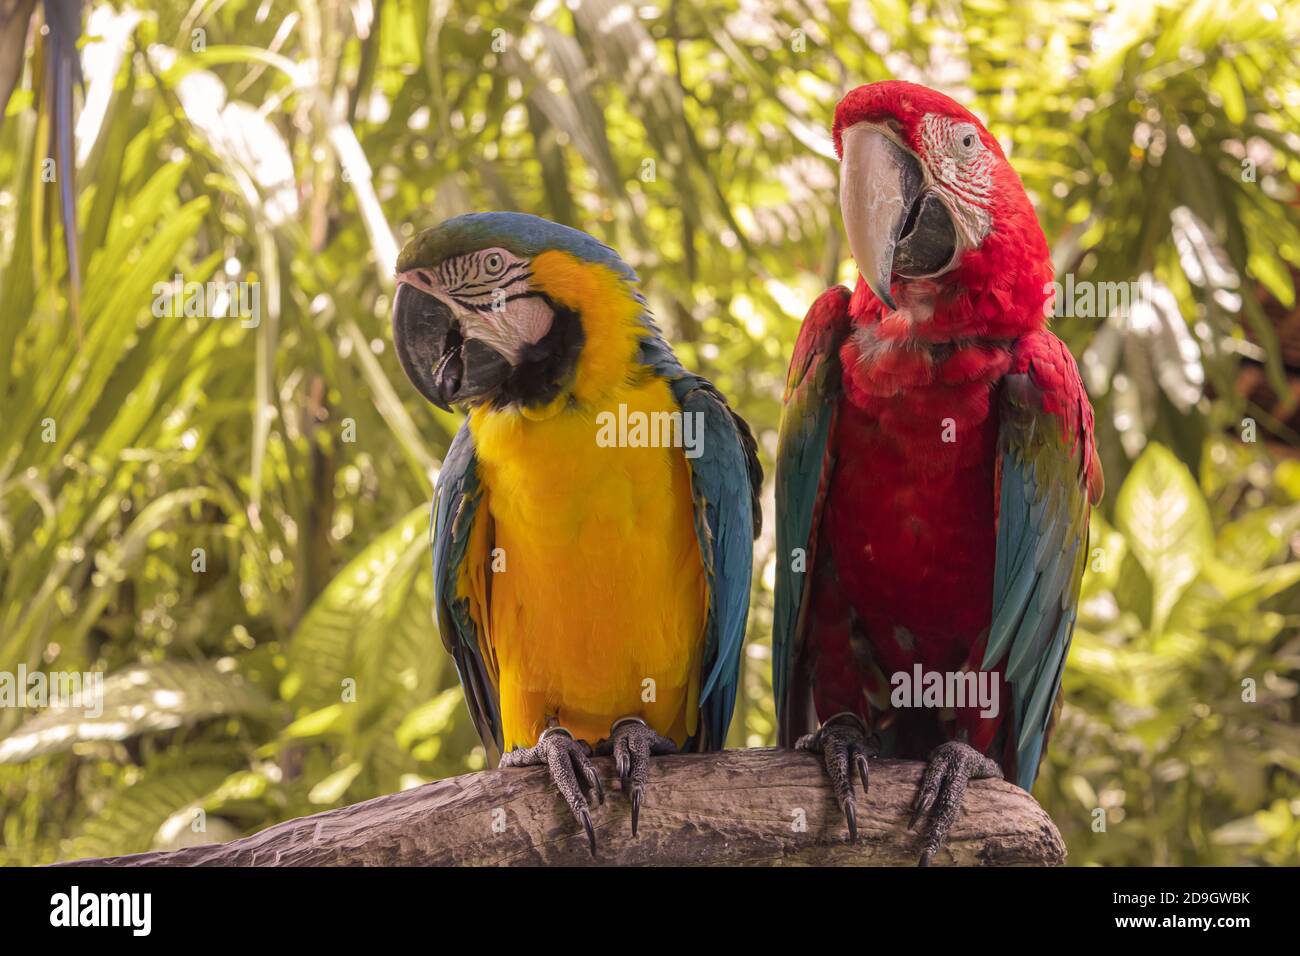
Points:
point(961, 169)
point(491, 296)
point(490, 274)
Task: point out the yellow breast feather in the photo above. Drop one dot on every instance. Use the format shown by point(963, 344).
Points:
point(597, 607)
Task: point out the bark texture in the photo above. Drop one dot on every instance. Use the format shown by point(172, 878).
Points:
point(748, 807)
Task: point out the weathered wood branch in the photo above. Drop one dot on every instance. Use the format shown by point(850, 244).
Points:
point(752, 807)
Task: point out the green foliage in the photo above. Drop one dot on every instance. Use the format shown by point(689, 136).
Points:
point(228, 518)
point(1178, 733)
point(136, 699)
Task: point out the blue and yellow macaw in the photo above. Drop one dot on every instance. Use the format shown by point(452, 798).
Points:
point(594, 517)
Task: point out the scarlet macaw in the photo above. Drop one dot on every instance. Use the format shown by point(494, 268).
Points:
point(935, 470)
point(591, 583)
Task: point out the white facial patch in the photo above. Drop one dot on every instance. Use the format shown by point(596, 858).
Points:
point(960, 168)
point(491, 297)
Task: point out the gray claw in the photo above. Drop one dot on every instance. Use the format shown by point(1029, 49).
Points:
point(632, 743)
point(844, 745)
point(951, 766)
point(565, 758)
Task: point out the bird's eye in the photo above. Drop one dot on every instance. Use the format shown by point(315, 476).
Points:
point(493, 263)
point(968, 140)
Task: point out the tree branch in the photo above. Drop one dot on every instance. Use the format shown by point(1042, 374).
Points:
point(739, 807)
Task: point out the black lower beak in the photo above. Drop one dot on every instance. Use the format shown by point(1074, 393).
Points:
point(449, 371)
point(441, 363)
point(928, 240)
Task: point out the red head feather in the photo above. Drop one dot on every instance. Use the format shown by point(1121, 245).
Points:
point(999, 286)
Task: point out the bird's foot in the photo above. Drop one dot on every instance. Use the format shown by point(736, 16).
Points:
point(632, 743)
point(568, 761)
point(951, 766)
point(844, 744)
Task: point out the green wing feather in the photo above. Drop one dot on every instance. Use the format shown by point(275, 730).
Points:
point(803, 466)
point(1049, 478)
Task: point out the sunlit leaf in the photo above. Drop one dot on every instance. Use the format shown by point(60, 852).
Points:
point(1167, 524)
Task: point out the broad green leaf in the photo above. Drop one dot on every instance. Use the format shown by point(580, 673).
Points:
point(358, 608)
point(1225, 83)
point(1287, 477)
point(130, 820)
point(431, 719)
point(326, 720)
point(137, 699)
point(332, 788)
point(1257, 538)
point(1166, 522)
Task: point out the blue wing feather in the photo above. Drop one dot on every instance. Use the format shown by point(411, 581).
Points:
point(1045, 466)
point(456, 500)
point(726, 481)
point(725, 485)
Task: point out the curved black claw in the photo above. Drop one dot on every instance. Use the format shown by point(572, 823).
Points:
point(569, 763)
point(845, 744)
point(951, 766)
point(633, 743)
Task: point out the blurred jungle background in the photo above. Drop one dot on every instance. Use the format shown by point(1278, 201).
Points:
point(229, 520)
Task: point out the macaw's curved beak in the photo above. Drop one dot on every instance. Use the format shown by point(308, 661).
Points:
point(441, 363)
point(895, 225)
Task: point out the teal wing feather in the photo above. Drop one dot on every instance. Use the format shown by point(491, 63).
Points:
point(803, 466)
point(457, 497)
point(726, 483)
point(1049, 478)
